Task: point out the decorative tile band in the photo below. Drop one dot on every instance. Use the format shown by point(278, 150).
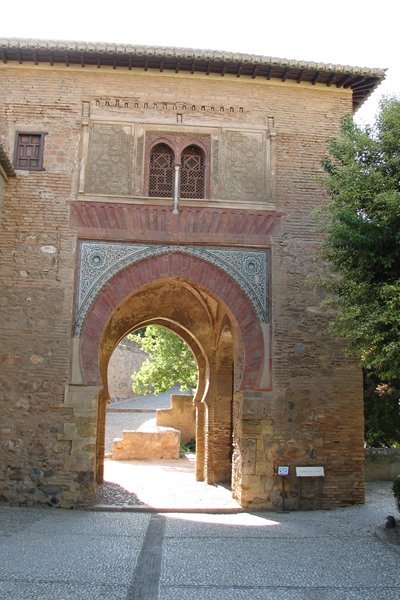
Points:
point(100, 261)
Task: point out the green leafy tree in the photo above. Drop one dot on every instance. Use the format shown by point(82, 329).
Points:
point(381, 411)
point(362, 226)
point(170, 362)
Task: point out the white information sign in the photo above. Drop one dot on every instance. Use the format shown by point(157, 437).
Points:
point(310, 471)
point(283, 471)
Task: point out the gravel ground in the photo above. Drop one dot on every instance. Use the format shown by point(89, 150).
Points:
point(168, 484)
point(112, 494)
point(49, 554)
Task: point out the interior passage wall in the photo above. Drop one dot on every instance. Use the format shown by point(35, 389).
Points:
point(126, 359)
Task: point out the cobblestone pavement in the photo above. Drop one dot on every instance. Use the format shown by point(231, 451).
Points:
point(120, 414)
point(85, 555)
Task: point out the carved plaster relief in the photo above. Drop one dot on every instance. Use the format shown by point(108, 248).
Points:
point(244, 165)
point(100, 261)
point(109, 160)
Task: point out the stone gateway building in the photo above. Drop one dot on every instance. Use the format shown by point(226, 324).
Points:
point(177, 187)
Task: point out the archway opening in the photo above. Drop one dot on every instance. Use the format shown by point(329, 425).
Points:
point(205, 326)
point(152, 381)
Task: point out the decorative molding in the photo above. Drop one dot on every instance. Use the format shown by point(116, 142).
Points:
point(139, 157)
point(182, 106)
point(100, 261)
point(215, 160)
point(178, 141)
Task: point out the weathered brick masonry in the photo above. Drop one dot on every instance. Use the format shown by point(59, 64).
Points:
point(87, 257)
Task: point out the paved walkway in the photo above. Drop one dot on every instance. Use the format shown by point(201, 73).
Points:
point(151, 401)
point(52, 554)
point(166, 484)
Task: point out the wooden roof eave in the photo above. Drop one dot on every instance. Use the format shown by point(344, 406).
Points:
point(361, 81)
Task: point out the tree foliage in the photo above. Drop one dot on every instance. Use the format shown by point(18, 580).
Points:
point(362, 226)
point(381, 412)
point(170, 362)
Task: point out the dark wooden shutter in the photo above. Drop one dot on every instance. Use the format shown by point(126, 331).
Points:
point(29, 151)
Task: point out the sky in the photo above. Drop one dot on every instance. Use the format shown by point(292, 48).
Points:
point(360, 33)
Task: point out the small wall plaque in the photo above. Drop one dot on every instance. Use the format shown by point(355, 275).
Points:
point(310, 471)
point(283, 471)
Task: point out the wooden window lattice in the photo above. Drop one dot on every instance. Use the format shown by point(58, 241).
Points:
point(161, 173)
point(192, 173)
point(29, 151)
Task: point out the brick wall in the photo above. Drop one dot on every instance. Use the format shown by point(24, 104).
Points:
point(313, 412)
point(6, 171)
point(3, 181)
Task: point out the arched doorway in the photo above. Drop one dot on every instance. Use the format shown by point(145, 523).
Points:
point(194, 316)
point(210, 311)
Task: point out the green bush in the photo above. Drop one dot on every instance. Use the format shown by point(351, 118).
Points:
point(381, 412)
point(396, 487)
point(188, 447)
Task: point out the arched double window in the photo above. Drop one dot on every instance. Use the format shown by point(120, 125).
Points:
point(192, 171)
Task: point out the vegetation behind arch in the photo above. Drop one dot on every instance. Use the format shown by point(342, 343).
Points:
point(170, 362)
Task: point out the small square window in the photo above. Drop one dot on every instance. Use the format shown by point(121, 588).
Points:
point(28, 152)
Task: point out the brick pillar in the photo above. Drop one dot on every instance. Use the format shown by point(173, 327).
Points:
point(200, 440)
point(222, 419)
point(100, 440)
point(218, 422)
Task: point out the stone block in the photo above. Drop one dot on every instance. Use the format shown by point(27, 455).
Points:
point(82, 399)
point(248, 451)
point(251, 427)
point(181, 415)
point(155, 444)
point(70, 431)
